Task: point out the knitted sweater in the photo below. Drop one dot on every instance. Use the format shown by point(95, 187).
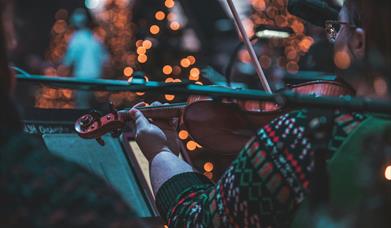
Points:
point(263, 186)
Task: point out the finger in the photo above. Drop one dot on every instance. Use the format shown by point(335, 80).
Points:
point(140, 104)
point(138, 118)
point(156, 103)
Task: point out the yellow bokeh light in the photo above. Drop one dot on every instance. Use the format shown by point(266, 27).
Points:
point(141, 50)
point(147, 44)
point(128, 71)
point(169, 97)
point(169, 3)
point(183, 134)
point(191, 145)
point(387, 173)
point(208, 166)
point(185, 63)
point(154, 29)
point(160, 15)
point(142, 58)
point(167, 69)
point(175, 25)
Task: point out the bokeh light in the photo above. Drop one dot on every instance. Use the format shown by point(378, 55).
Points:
point(128, 71)
point(387, 173)
point(160, 15)
point(208, 166)
point(167, 69)
point(183, 134)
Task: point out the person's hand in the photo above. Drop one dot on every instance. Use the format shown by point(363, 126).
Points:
point(150, 138)
point(169, 127)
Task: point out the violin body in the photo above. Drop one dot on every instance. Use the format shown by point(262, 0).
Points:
point(225, 127)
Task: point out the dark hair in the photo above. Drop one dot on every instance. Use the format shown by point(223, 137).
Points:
point(374, 17)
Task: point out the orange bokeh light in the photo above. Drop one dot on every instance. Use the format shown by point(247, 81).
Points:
point(142, 58)
point(185, 62)
point(160, 15)
point(128, 71)
point(147, 44)
point(139, 43)
point(191, 145)
point(169, 97)
point(194, 74)
point(175, 25)
point(141, 50)
point(169, 3)
point(154, 29)
point(167, 69)
point(208, 166)
point(169, 80)
point(183, 134)
point(192, 59)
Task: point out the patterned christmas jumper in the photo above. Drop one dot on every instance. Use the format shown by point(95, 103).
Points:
point(264, 185)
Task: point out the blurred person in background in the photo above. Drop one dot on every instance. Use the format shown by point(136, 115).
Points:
point(86, 54)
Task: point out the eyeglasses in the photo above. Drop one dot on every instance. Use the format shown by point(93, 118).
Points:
point(332, 29)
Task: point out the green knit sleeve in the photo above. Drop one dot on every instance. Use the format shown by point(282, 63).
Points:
point(167, 195)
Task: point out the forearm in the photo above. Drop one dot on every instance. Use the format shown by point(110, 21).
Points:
point(164, 166)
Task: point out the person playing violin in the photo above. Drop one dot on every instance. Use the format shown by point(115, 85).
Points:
point(270, 178)
point(37, 188)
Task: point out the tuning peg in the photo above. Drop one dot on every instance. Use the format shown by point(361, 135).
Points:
point(95, 114)
point(100, 141)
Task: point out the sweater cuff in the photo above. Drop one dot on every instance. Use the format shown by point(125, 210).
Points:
point(166, 196)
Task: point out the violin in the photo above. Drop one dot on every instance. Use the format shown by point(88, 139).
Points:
point(223, 127)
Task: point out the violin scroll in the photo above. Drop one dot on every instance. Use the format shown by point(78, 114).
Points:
point(94, 125)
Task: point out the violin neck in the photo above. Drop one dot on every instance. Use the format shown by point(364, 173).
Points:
point(160, 111)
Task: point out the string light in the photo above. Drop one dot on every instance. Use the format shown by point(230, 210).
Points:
point(160, 15)
point(167, 69)
point(208, 166)
point(169, 97)
point(192, 59)
point(141, 50)
point(175, 26)
point(142, 58)
point(169, 3)
point(169, 80)
point(128, 71)
point(191, 145)
point(139, 43)
point(154, 29)
point(147, 44)
point(185, 62)
point(194, 74)
point(183, 134)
